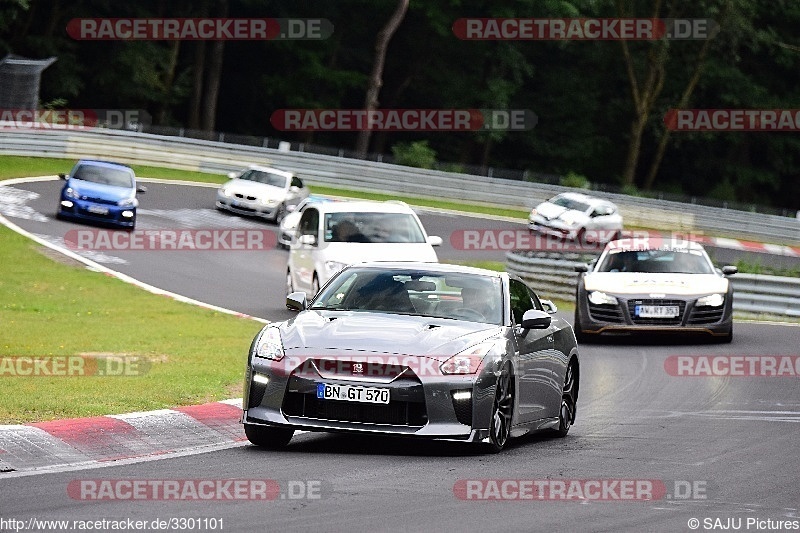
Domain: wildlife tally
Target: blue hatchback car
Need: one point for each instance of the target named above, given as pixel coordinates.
(100, 191)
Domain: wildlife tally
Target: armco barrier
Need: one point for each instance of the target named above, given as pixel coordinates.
(553, 277)
(317, 169)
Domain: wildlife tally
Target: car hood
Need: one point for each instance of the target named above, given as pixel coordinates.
(100, 190)
(553, 211)
(382, 333)
(663, 283)
(253, 188)
(357, 252)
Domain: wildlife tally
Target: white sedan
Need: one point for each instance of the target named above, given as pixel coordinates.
(578, 217)
(262, 192)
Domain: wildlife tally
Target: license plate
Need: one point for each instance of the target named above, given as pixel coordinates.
(657, 311)
(352, 393)
(98, 210)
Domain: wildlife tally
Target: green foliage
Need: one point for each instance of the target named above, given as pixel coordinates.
(578, 181)
(416, 154)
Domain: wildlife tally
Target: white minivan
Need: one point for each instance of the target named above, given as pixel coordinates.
(332, 235)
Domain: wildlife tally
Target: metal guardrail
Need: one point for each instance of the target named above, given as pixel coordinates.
(554, 277)
(371, 176)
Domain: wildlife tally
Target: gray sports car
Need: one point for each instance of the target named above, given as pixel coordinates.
(416, 349)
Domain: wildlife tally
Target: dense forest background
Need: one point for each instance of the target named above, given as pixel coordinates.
(600, 104)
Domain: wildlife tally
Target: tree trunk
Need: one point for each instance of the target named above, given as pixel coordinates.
(376, 78)
(197, 84)
(169, 82)
(208, 113)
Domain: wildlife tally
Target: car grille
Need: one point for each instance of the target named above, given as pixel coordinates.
(606, 313)
(242, 196)
(395, 413)
(104, 201)
(706, 315)
(671, 321)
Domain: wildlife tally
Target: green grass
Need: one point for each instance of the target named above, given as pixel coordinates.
(52, 309)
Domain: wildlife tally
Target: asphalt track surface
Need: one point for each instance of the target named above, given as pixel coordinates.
(734, 439)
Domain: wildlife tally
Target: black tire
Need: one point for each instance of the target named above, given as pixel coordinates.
(268, 437)
(314, 285)
(502, 411)
(289, 283)
(569, 400)
(580, 336)
(727, 339)
(280, 214)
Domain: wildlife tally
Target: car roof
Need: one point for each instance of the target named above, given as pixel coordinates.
(364, 206)
(271, 170)
(654, 243)
(433, 267)
(101, 163)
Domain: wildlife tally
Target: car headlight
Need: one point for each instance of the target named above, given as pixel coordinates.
(568, 220)
(225, 192)
(128, 202)
(601, 298)
(712, 300)
(334, 266)
(270, 202)
(469, 360)
(534, 212)
(72, 193)
(269, 345)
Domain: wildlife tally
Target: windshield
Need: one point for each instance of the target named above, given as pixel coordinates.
(267, 178)
(679, 261)
(104, 175)
(458, 296)
(372, 228)
(569, 203)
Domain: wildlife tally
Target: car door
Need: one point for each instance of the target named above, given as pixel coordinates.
(534, 347)
(301, 251)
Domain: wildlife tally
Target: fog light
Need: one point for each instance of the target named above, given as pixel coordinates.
(260, 378)
(66, 203)
(127, 214)
(462, 395)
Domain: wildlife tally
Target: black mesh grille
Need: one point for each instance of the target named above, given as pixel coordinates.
(463, 409)
(606, 313)
(396, 413)
(665, 321)
(706, 315)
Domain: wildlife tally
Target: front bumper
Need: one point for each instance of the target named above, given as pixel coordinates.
(621, 319)
(421, 406)
(246, 207)
(552, 227)
(112, 214)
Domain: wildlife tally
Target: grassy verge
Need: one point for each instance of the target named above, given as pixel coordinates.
(48, 309)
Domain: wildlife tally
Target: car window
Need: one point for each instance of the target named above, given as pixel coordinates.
(521, 299)
(369, 227)
(569, 203)
(457, 296)
(267, 178)
(309, 222)
(104, 175)
(680, 261)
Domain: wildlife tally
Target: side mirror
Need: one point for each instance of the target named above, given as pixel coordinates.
(535, 319)
(62, 175)
(549, 307)
(582, 268)
(141, 189)
(308, 239)
(294, 188)
(297, 301)
(435, 240)
(730, 270)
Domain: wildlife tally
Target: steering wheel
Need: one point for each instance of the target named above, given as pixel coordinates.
(468, 314)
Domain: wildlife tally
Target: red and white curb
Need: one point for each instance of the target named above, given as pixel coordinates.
(749, 246)
(98, 440)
